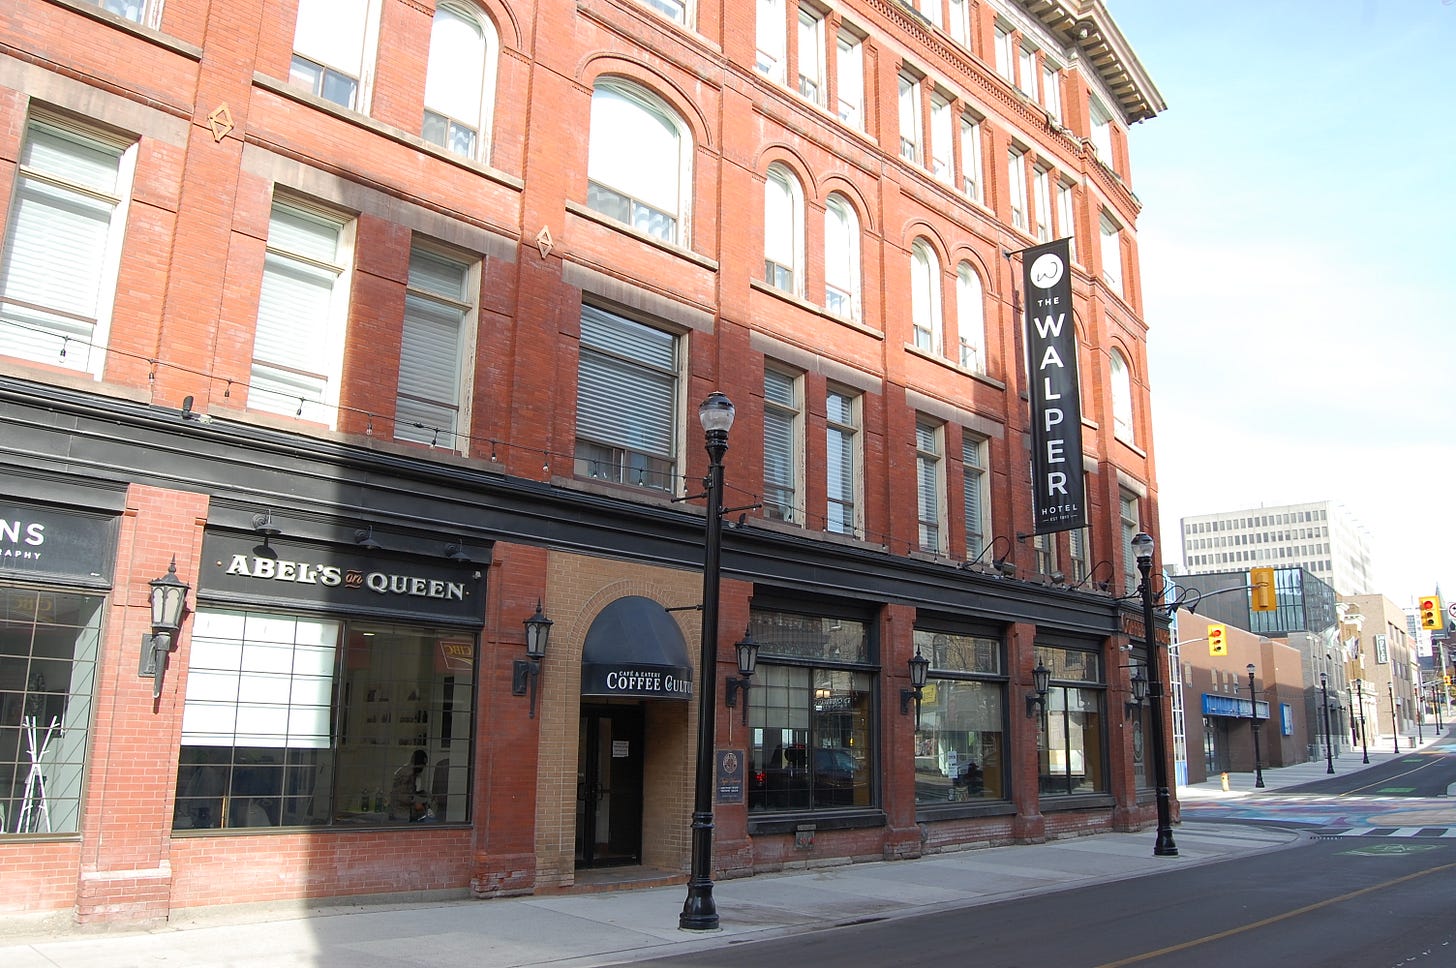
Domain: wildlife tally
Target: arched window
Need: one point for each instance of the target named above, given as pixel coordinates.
(639, 162)
(1121, 398)
(460, 80)
(783, 230)
(925, 297)
(841, 258)
(971, 318)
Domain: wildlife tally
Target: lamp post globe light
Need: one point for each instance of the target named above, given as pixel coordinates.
(1254, 713)
(1142, 548)
(699, 913)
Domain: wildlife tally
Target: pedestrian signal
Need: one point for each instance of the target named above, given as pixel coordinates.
(1261, 589)
(1430, 608)
(1217, 643)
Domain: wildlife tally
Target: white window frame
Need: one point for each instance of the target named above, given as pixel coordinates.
(958, 23)
(289, 376)
(925, 303)
(843, 438)
(783, 445)
(972, 170)
(655, 200)
(1111, 250)
(59, 268)
(842, 285)
(770, 30)
(975, 492)
(971, 318)
(1051, 89)
(811, 56)
(460, 80)
(1042, 201)
(678, 11)
(783, 230)
(1005, 50)
(1101, 135)
(849, 72)
(1130, 524)
(1016, 187)
(930, 484)
(1066, 216)
(1026, 71)
(322, 40)
(1121, 380)
(145, 12)
(435, 344)
(628, 401)
(912, 147)
(942, 139)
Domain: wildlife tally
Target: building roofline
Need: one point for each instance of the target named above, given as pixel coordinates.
(1088, 27)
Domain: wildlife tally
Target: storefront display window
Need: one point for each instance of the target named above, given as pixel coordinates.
(1071, 747)
(810, 713)
(960, 746)
(304, 721)
(48, 647)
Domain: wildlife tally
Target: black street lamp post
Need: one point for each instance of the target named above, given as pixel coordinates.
(1360, 698)
(1325, 692)
(699, 913)
(1436, 703)
(1142, 547)
(1254, 712)
(1394, 719)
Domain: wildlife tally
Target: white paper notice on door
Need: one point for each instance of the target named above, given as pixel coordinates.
(619, 749)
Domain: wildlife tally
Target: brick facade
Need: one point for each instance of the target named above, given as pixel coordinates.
(169, 443)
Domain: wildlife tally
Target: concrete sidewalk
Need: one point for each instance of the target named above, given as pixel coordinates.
(582, 930)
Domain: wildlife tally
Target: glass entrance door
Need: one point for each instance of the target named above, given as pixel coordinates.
(609, 786)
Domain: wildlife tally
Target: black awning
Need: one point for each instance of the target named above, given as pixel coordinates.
(635, 649)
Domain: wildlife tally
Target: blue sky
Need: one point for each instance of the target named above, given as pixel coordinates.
(1297, 245)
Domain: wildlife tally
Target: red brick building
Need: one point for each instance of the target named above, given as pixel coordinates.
(385, 324)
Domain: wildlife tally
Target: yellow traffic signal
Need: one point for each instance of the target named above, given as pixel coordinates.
(1430, 607)
(1261, 589)
(1217, 642)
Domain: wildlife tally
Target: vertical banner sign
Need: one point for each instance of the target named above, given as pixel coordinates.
(1056, 405)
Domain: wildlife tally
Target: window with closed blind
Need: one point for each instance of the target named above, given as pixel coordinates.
(929, 445)
(439, 304)
(973, 484)
(302, 308)
(782, 453)
(842, 461)
(63, 245)
(627, 402)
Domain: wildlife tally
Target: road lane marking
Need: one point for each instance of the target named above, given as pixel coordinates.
(1264, 923)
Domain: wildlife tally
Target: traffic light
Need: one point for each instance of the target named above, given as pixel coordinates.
(1261, 589)
(1430, 607)
(1217, 643)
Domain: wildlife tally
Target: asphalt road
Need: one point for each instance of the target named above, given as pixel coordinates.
(1354, 903)
(1431, 772)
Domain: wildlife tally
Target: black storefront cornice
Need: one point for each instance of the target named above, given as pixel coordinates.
(318, 483)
